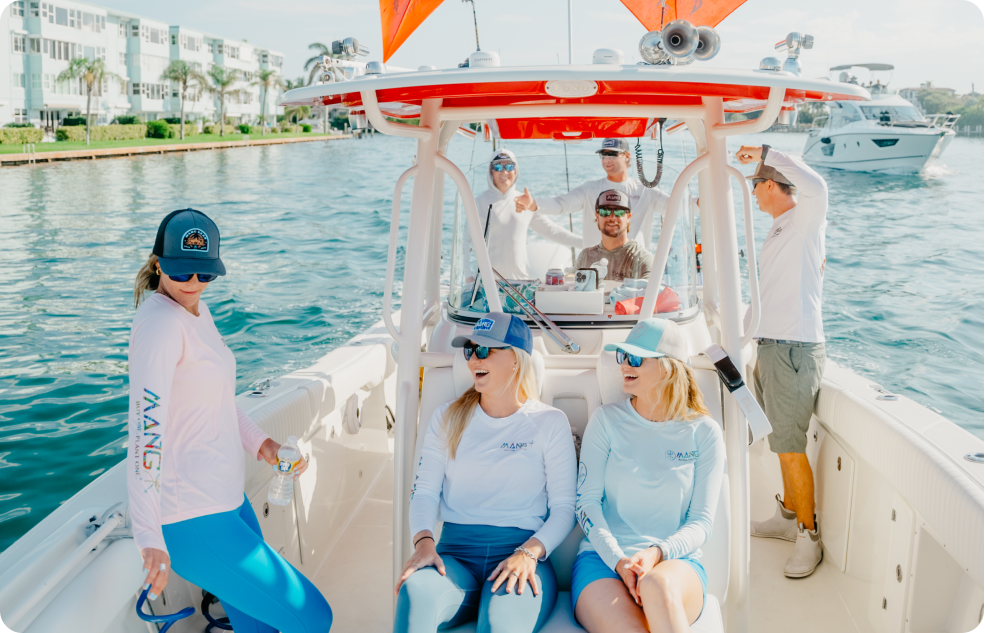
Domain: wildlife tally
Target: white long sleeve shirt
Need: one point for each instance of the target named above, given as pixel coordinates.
(508, 229)
(517, 471)
(643, 483)
(643, 202)
(791, 263)
(187, 436)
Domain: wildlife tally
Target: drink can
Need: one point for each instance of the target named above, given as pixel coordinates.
(555, 277)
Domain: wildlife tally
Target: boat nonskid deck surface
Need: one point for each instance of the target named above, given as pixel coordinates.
(339, 529)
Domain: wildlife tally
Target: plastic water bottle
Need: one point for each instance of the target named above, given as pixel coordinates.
(602, 266)
(282, 485)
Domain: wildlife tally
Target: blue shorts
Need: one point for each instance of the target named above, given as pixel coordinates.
(589, 567)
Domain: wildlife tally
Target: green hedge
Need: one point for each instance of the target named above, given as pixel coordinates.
(191, 129)
(20, 135)
(103, 133)
(213, 128)
(159, 129)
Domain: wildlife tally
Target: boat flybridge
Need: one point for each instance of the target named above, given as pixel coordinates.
(899, 488)
(887, 134)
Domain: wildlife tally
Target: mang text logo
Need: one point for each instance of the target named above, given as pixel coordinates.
(681, 456)
(512, 447)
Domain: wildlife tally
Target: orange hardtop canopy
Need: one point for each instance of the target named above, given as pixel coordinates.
(400, 18)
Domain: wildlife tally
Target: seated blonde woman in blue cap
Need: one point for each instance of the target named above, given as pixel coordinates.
(500, 465)
(648, 484)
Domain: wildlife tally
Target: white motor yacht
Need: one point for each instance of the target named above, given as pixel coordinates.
(899, 487)
(887, 134)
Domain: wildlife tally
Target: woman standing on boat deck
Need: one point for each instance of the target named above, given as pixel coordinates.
(187, 437)
(497, 462)
(648, 484)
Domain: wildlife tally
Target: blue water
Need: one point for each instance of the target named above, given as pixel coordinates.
(304, 241)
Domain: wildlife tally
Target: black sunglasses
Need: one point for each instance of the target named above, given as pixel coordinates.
(756, 181)
(634, 361)
(201, 277)
(604, 213)
(480, 351)
(608, 154)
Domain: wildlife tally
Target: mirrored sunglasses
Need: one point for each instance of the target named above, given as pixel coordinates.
(634, 361)
(604, 213)
(480, 351)
(201, 277)
(503, 166)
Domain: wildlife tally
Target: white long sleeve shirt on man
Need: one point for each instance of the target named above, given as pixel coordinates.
(791, 263)
(643, 202)
(187, 436)
(517, 471)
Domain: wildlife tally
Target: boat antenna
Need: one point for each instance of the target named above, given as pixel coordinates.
(476, 22)
(650, 184)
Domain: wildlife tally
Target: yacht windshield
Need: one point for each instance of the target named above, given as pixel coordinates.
(891, 113)
(525, 251)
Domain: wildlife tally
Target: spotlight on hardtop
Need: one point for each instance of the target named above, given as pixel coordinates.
(793, 44)
(349, 47)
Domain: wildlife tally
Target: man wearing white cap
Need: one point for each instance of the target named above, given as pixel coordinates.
(615, 161)
(790, 357)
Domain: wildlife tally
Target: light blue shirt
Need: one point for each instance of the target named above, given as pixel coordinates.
(643, 483)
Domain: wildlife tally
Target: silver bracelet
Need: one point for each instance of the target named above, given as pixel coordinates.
(523, 550)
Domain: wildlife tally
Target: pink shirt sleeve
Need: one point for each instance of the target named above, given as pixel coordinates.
(156, 346)
(250, 434)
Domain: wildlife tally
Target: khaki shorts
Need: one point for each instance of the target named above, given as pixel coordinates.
(788, 378)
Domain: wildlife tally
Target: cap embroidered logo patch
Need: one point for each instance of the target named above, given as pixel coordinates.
(613, 197)
(635, 333)
(194, 240)
(484, 325)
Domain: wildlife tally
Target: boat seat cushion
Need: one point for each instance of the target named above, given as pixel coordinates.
(563, 620)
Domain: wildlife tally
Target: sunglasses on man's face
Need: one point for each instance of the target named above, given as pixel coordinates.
(608, 154)
(604, 213)
(202, 277)
(481, 352)
(622, 357)
(756, 181)
(503, 166)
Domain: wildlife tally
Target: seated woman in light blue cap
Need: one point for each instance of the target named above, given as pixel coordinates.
(500, 465)
(648, 484)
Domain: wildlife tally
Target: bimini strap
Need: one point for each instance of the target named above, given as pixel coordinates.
(759, 424)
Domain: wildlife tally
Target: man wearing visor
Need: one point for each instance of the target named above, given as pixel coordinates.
(627, 258)
(615, 161)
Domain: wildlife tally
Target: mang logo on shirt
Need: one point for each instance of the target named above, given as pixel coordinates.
(681, 456)
(512, 447)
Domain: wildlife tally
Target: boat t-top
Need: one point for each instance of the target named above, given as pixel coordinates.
(899, 488)
(888, 134)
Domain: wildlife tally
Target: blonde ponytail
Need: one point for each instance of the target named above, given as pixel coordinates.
(146, 281)
(459, 413)
(679, 391)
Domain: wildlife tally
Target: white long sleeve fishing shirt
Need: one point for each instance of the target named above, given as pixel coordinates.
(517, 471)
(187, 436)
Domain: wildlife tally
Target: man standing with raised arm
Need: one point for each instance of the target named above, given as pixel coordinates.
(615, 161)
(790, 360)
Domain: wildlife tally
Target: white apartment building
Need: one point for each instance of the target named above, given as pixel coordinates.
(45, 36)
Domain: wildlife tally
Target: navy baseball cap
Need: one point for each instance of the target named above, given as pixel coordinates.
(616, 144)
(188, 242)
(612, 198)
(498, 329)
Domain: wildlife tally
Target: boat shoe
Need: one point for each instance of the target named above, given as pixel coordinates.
(806, 554)
(782, 525)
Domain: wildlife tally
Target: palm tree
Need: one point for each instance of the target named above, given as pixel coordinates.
(297, 113)
(266, 79)
(185, 75)
(92, 72)
(222, 80)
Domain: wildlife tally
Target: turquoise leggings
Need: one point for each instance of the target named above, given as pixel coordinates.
(225, 554)
(429, 601)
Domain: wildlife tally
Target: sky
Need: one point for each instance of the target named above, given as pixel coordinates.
(941, 41)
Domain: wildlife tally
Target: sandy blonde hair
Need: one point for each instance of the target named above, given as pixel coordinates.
(458, 415)
(679, 391)
(147, 280)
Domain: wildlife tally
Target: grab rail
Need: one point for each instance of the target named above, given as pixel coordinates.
(755, 302)
(391, 256)
(750, 126)
(475, 231)
(376, 117)
(51, 581)
(555, 334)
